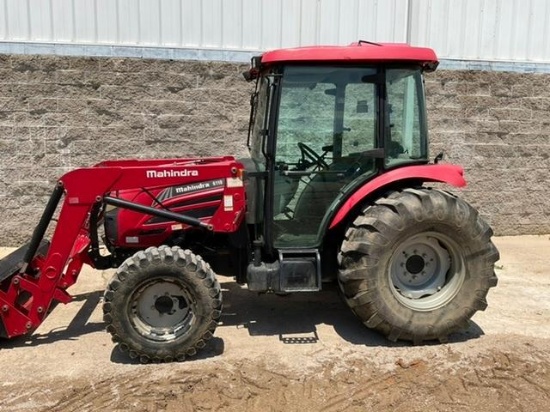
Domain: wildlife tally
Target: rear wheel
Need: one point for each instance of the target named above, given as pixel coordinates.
(162, 304)
(417, 265)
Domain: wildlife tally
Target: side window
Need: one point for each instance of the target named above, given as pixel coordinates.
(306, 115)
(405, 132)
(359, 119)
(326, 123)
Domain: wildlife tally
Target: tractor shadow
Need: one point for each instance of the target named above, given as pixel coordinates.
(214, 347)
(77, 327)
(294, 318)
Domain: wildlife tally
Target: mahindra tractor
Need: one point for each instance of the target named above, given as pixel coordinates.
(336, 189)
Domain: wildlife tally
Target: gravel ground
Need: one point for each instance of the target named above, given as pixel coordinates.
(302, 352)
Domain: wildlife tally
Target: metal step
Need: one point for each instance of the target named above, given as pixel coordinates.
(300, 270)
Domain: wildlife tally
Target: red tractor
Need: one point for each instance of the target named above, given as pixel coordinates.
(335, 190)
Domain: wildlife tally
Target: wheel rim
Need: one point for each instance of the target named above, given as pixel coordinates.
(426, 271)
(162, 310)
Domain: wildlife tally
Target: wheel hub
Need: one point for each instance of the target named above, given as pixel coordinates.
(162, 309)
(165, 305)
(415, 264)
(419, 267)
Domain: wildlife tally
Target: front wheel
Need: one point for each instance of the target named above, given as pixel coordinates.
(417, 264)
(162, 304)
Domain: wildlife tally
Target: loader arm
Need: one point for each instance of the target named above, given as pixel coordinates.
(27, 293)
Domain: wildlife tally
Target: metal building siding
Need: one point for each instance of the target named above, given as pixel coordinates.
(457, 29)
(483, 29)
(232, 24)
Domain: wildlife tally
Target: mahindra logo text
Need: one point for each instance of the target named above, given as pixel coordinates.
(155, 174)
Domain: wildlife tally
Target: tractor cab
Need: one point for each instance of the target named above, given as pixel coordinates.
(322, 125)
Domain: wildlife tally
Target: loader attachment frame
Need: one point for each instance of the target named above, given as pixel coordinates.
(30, 286)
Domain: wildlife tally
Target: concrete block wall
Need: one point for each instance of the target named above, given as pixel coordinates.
(497, 125)
(59, 113)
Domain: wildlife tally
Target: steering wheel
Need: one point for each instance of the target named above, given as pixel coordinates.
(308, 152)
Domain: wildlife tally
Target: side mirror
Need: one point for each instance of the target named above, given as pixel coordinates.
(253, 73)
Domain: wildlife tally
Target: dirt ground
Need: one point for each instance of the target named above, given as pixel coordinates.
(303, 352)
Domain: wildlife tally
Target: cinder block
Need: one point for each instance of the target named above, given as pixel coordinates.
(58, 113)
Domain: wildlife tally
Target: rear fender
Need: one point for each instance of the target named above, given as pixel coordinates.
(447, 173)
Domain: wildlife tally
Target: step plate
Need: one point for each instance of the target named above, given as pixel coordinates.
(300, 271)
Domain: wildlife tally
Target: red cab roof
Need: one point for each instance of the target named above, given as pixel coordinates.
(360, 52)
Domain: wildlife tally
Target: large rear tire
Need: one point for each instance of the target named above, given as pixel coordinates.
(162, 304)
(417, 264)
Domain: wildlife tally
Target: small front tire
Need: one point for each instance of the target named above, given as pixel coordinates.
(162, 304)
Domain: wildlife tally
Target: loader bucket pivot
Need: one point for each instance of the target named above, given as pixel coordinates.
(12, 264)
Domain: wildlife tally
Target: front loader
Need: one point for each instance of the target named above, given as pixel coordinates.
(336, 189)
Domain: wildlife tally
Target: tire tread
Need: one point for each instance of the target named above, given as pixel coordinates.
(186, 261)
(378, 227)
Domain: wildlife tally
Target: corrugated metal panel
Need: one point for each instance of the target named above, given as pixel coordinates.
(483, 29)
(230, 24)
(457, 29)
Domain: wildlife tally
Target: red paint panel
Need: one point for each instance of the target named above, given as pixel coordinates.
(353, 53)
(451, 174)
(68, 247)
